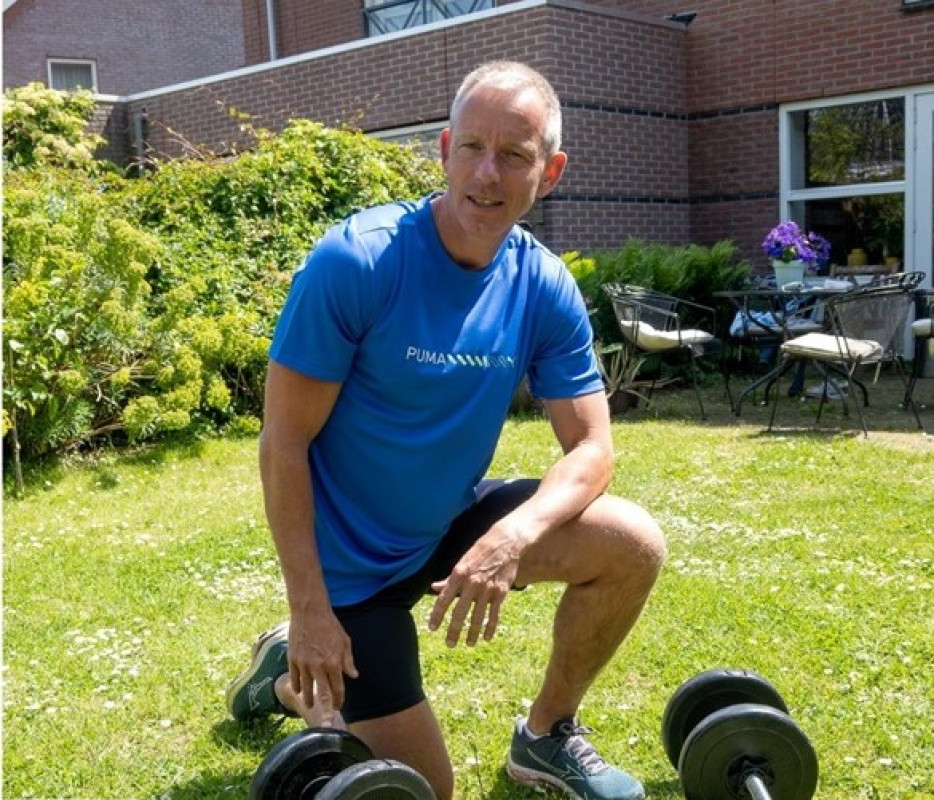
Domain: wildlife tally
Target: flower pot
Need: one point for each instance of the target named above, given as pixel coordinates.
(857, 258)
(788, 272)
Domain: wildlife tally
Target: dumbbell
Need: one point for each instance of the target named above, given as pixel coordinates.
(331, 764)
(729, 735)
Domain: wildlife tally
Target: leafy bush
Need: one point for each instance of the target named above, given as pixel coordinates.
(75, 302)
(42, 127)
(140, 307)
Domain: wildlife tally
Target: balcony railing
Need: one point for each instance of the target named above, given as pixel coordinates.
(388, 16)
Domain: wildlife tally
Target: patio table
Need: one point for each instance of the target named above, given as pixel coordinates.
(771, 315)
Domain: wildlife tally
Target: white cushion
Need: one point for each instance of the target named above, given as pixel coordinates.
(827, 347)
(654, 340)
(923, 328)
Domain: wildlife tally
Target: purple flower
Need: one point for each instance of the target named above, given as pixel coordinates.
(786, 242)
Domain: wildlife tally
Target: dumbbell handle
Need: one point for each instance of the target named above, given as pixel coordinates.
(756, 788)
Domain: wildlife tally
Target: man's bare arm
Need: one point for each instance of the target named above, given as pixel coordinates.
(296, 408)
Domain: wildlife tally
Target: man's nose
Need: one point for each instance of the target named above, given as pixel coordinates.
(488, 168)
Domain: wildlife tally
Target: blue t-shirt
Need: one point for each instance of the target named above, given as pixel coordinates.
(429, 354)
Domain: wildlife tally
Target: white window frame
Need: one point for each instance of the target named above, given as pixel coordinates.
(791, 151)
(429, 132)
(50, 62)
(790, 157)
(918, 163)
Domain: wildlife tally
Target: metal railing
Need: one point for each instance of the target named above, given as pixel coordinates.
(389, 16)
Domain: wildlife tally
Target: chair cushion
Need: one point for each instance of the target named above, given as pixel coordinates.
(649, 338)
(923, 328)
(827, 347)
(754, 324)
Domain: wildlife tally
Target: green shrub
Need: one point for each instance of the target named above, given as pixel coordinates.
(75, 301)
(42, 127)
(139, 307)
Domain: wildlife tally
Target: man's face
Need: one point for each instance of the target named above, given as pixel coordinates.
(495, 162)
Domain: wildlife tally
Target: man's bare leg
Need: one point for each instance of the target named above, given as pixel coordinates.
(610, 558)
(412, 736)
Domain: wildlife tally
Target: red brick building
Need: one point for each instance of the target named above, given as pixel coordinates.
(713, 125)
(117, 48)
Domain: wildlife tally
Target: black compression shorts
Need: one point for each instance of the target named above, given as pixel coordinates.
(382, 630)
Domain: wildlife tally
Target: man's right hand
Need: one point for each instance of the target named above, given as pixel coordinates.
(319, 656)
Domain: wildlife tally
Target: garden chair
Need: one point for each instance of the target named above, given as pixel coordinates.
(658, 324)
(862, 330)
(922, 329)
(764, 318)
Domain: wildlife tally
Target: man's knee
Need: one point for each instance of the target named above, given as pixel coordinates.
(635, 535)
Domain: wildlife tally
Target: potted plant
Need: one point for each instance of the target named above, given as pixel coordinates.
(793, 252)
(619, 366)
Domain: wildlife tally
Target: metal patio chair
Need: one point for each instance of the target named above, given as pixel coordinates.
(658, 324)
(862, 330)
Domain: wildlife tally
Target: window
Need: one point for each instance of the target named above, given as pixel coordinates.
(388, 16)
(423, 138)
(68, 75)
(843, 175)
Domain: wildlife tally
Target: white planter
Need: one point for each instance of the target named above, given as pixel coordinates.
(788, 272)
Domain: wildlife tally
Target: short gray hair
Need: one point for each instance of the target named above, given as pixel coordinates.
(517, 77)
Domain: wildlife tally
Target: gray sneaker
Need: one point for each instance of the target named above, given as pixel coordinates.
(252, 694)
(565, 760)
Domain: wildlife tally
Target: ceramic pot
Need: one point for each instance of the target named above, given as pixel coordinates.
(788, 272)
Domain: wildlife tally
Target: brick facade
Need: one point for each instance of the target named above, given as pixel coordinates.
(301, 26)
(135, 46)
(671, 130)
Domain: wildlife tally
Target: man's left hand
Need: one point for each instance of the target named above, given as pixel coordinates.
(479, 582)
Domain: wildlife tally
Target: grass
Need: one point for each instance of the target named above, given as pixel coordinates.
(134, 585)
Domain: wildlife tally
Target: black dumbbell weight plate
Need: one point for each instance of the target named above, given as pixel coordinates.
(707, 692)
(301, 765)
(732, 742)
(378, 780)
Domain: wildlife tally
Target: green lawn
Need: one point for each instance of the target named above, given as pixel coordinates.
(135, 584)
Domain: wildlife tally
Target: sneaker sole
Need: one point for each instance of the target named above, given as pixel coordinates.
(260, 648)
(539, 781)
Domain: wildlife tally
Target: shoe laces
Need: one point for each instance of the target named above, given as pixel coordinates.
(581, 749)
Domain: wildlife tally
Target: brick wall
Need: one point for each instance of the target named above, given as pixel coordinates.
(626, 131)
(136, 46)
(671, 132)
(301, 26)
(748, 52)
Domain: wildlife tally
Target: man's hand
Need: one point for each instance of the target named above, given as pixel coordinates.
(319, 657)
(480, 582)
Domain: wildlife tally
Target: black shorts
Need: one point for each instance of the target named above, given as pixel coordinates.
(382, 630)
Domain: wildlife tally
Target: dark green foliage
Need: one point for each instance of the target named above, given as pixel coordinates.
(137, 307)
(691, 271)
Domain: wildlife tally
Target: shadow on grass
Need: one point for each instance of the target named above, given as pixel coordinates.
(258, 738)
(885, 415)
(43, 473)
(210, 786)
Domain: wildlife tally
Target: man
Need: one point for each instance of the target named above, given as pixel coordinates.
(402, 342)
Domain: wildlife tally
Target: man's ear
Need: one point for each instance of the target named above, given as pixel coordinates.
(445, 141)
(554, 169)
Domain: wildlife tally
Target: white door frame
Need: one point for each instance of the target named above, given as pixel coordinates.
(919, 186)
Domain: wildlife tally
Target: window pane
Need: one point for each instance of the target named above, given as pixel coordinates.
(874, 224)
(856, 143)
(68, 77)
